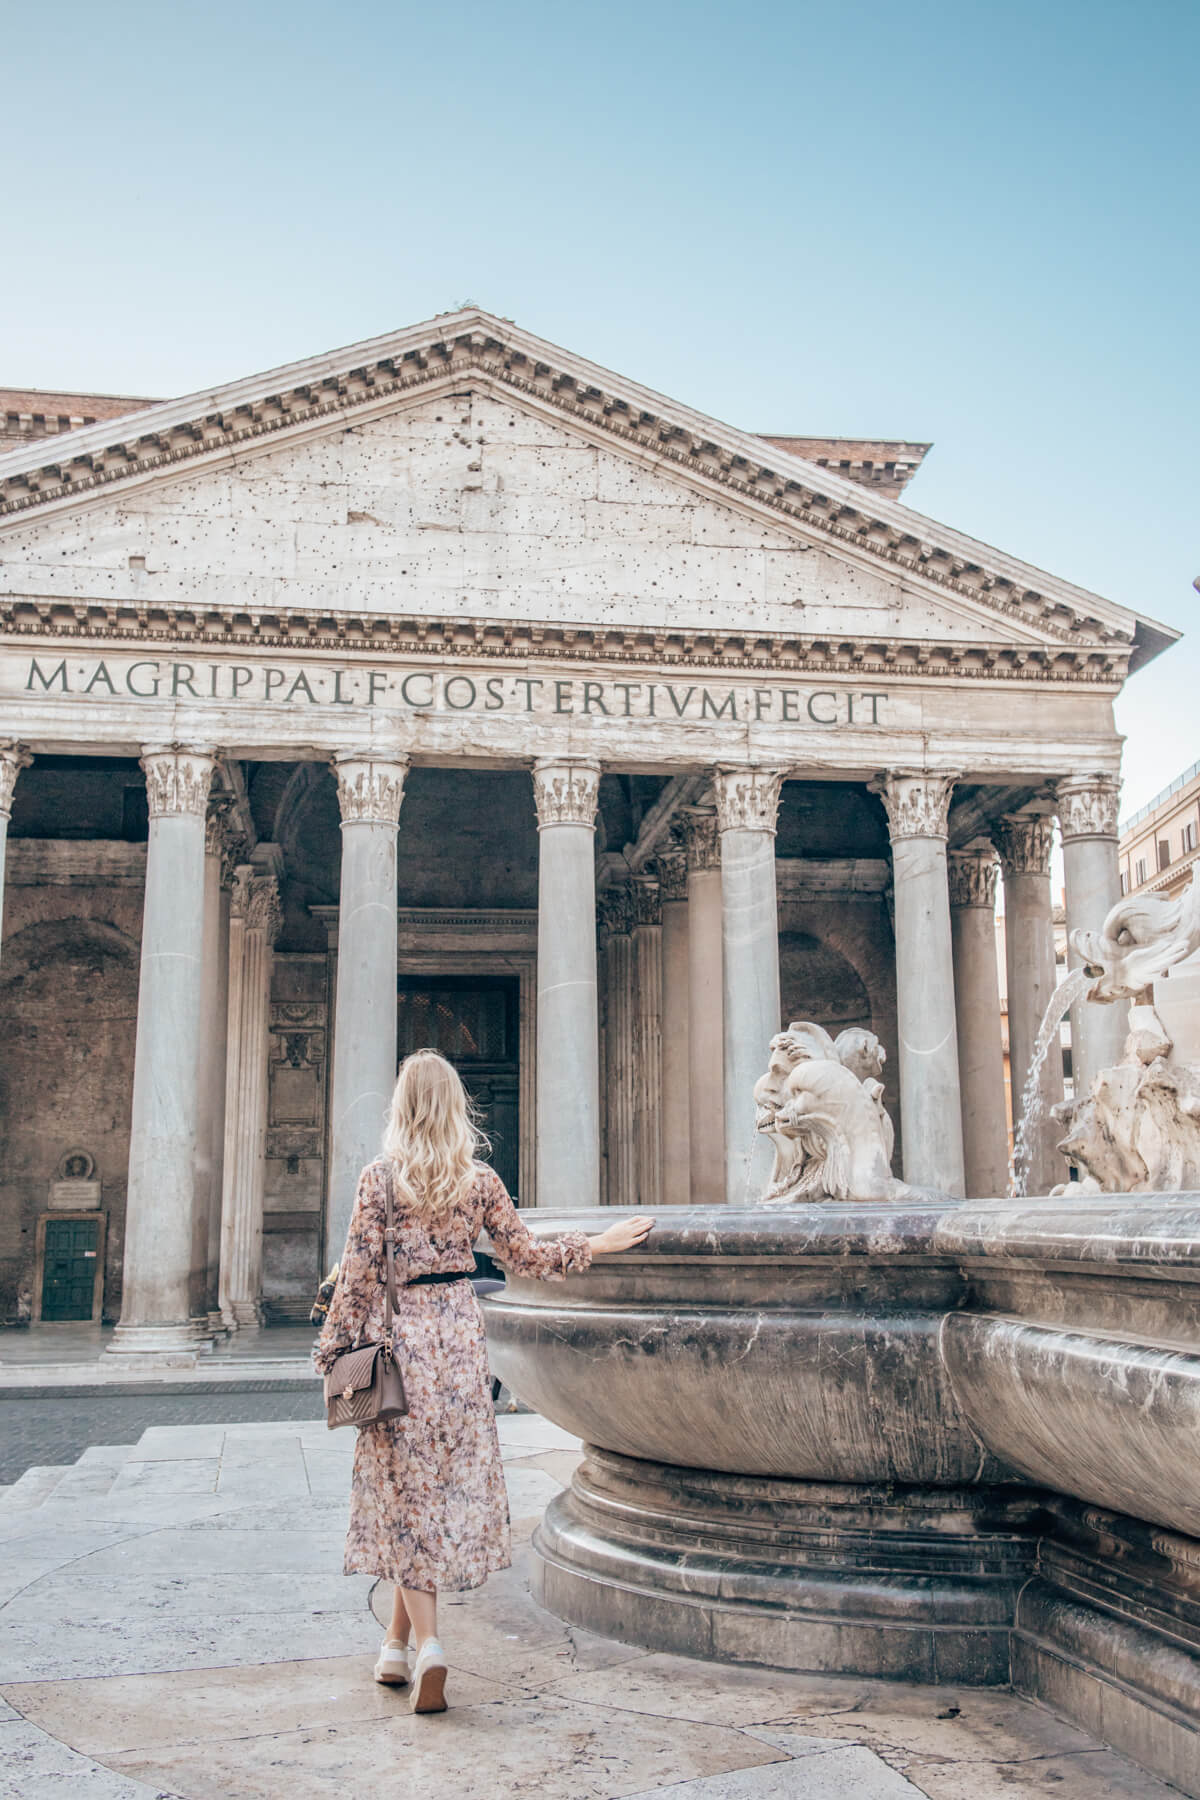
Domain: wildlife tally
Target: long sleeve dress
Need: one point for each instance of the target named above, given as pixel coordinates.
(428, 1505)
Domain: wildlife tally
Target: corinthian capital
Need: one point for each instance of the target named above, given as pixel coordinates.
(614, 908)
(917, 805)
(565, 791)
(256, 901)
(13, 758)
(647, 900)
(671, 867)
(747, 799)
(370, 786)
(973, 878)
(701, 840)
(177, 781)
(1024, 844)
(1087, 805)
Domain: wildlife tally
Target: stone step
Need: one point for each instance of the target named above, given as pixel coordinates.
(33, 1487)
(93, 1473)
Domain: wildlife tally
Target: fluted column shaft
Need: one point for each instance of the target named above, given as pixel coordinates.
(706, 1010)
(674, 1110)
(616, 915)
(254, 924)
(1088, 815)
(1025, 845)
(155, 1297)
(370, 789)
(747, 805)
(647, 1040)
(918, 807)
(568, 1059)
(13, 758)
(978, 1020)
(214, 1028)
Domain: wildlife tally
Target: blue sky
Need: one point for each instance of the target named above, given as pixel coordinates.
(969, 223)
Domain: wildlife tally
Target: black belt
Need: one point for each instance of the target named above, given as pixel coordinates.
(439, 1277)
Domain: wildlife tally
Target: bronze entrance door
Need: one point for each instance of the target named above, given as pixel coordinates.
(71, 1252)
(472, 1020)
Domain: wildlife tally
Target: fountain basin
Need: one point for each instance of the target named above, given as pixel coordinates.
(850, 1439)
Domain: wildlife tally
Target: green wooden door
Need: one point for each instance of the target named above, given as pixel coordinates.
(69, 1270)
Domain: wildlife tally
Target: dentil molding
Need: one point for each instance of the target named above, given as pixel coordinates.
(917, 805)
(566, 791)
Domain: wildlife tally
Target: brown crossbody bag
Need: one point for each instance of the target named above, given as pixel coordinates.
(365, 1385)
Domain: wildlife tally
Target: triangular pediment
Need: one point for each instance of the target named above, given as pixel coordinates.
(465, 467)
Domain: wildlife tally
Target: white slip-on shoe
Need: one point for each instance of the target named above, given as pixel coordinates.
(429, 1678)
(392, 1669)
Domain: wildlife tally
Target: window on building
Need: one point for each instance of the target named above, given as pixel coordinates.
(1139, 872)
(1188, 837)
(1124, 881)
(1164, 853)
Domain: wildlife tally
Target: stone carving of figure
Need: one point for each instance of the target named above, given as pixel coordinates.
(1138, 1131)
(821, 1104)
(1139, 940)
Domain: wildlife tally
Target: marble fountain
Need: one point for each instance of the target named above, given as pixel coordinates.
(862, 1429)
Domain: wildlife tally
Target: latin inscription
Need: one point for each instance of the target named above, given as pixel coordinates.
(424, 690)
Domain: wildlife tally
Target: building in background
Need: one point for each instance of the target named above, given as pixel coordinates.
(1161, 841)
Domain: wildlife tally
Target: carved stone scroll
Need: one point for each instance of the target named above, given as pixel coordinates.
(565, 791)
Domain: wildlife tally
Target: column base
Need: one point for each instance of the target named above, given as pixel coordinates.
(242, 1315)
(914, 1584)
(182, 1341)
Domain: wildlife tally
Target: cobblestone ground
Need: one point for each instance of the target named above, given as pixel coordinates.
(59, 1430)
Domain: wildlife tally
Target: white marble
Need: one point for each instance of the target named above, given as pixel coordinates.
(977, 1016)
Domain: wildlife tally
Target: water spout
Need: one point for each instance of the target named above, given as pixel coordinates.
(1033, 1101)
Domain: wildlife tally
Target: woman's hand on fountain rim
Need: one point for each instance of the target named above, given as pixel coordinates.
(625, 1234)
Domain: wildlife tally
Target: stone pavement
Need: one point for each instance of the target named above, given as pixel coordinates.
(174, 1622)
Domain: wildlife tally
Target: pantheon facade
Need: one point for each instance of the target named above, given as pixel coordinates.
(452, 690)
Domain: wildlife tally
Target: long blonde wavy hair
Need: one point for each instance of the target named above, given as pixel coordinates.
(431, 1137)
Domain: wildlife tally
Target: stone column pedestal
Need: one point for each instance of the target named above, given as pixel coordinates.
(706, 1010)
(159, 1224)
(370, 789)
(1025, 845)
(917, 807)
(616, 924)
(1087, 813)
(254, 924)
(747, 805)
(973, 875)
(674, 1109)
(13, 758)
(568, 1059)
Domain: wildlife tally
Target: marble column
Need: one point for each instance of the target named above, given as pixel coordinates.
(973, 875)
(255, 917)
(155, 1297)
(219, 862)
(671, 866)
(13, 758)
(647, 1040)
(565, 792)
(747, 805)
(1025, 844)
(370, 789)
(1087, 813)
(706, 1009)
(616, 924)
(917, 806)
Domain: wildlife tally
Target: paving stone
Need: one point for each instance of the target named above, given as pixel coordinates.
(195, 1476)
(839, 1774)
(36, 1766)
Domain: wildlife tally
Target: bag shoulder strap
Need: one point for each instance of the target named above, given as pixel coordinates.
(389, 1239)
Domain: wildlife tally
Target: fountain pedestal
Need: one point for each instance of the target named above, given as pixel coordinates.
(953, 1442)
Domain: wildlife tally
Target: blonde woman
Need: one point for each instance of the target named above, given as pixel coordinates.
(428, 1506)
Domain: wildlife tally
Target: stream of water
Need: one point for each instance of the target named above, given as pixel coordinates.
(1033, 1101)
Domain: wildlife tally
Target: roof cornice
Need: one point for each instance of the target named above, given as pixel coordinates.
(833, 508)
(218, 629)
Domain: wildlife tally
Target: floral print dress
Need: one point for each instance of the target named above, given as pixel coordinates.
(428, 1505)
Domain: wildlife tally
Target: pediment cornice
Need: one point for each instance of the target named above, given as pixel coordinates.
(303, 397)
(221, 629)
